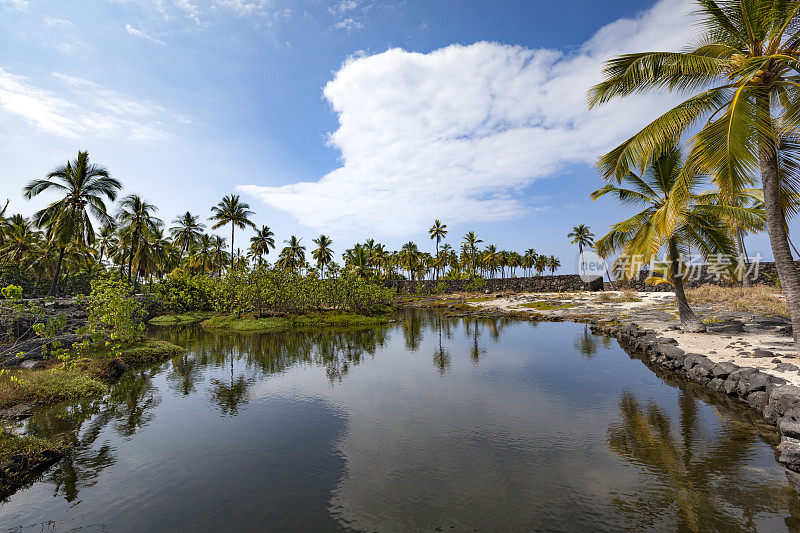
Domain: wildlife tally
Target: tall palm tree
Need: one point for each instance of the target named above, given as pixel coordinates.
(438, 232)
(553, 263)
(261, 242)
(20, 242)
(472, 241)
(410, 258)
(186, 231)
(746, 76)
(540, 264)
(136, 220)
(231, 211)
(665, 223)
(84, 187)
(293, 255)
(582, 236)
(322, 254)
(104, 239)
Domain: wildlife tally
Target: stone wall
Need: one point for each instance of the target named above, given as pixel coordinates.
(562, 283)
(764, 274)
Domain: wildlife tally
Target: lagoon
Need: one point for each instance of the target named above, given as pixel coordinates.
(429, 423)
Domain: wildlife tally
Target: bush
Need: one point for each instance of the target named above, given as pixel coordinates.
(477, 284)
(181, 292)
(261, 290)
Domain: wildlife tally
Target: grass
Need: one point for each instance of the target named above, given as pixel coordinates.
(82, 376)
(481, 299)
(26, 445)
(545, 306)
(144, 352)
(181, 319)
(47, 386)
(321, 320)
(761, 299)
(626, 295)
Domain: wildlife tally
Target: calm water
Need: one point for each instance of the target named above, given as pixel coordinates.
(432, 423)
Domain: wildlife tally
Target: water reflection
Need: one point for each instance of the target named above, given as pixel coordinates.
(706, 476)
(431, 421)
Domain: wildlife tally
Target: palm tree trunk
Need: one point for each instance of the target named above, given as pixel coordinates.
(232, 228)
(54, 286)
(689, 321)
(743, 253)
(779, 239)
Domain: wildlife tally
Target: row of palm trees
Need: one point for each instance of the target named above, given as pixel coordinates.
(77, 233)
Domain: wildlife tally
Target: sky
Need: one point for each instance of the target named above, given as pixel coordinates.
(354, 118)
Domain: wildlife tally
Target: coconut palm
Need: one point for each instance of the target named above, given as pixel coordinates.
(186, 231)
(322, 254)
(582, 236)
(409, 258)
(84, 187)
(231, 211)
(293, 255)
(438, 232)
(745, 74)
(472, 241)
(261, 242)
(663, 222)
(136, 220)
(104, 239)
(540, 264)
(553, 263)
(20, 242)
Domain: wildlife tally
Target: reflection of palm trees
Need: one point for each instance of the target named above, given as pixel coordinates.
(228, 397)
(441, 357)
(688, 470)
(185, 374)
(586, 343)
(475, 352)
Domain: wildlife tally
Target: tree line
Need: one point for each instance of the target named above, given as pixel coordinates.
(79, 233)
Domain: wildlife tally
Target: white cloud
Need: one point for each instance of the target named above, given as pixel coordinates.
(142, 35)
(348, 25)
(20, 5)
(342, 7)
(459, 132)
(55, 21)
(81, 108)
(189, 9)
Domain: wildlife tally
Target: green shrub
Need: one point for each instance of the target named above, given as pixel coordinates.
(181, 291)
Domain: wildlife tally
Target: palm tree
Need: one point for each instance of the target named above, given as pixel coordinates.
(665, 223)
(186, 231)
(293, 254)
(438, 231)
(219, 257)
(582, 236)
(540, 264)
(553, 263)
(322, 254)
(409, 256)
(83, 187)
(261, 242)
(746, 69)
(472, 241)
(136, 219)
(231, 211)
(104, 239)
(21, 239)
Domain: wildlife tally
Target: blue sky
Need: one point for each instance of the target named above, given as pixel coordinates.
(355, 118)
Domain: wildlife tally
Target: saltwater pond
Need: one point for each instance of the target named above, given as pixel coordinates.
(428, 424)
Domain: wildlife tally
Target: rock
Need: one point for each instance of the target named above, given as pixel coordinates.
(760, 352)
(786, 367)
(776, 360)
(717, 384)
(789, 449)
(752, 381)
(31, 364)
(784, 398)
(758, 400)
(789, 423)
(670, 351)
(730, 326)
(692, 360)
(784, 330)
(723, 370)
